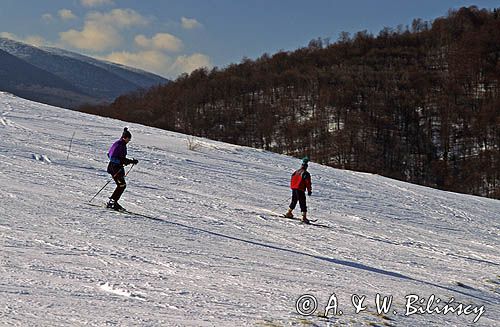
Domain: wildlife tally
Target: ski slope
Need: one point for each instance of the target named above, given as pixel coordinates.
(212, 253)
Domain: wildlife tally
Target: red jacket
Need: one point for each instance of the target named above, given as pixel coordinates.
(301, 180)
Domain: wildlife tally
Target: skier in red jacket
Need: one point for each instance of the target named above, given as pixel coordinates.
(299, 182)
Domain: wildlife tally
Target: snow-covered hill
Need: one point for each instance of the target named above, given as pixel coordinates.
(211, 252)
(90, 80)
(137, 76)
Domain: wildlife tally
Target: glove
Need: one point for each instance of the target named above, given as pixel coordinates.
(309, 193)
(131, 161)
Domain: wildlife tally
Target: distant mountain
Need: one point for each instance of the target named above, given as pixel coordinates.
(21, 78)
(87, 79)
(137, 76)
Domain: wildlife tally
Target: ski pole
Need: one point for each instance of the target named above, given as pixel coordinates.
(70, 144)
(282, 203)
(110, 182)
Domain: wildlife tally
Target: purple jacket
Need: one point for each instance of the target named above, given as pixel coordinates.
(118, 152)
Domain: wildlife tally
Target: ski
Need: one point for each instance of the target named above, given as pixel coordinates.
(123, 211)
(141, 215)
(103, 206)
(298, 219)
(312, 222)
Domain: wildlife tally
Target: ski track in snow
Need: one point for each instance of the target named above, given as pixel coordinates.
(208, 250)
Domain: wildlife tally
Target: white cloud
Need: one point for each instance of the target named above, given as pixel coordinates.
(32, 39)
(9, 35)
(66, 14)
(101, 31)
(189, 23)
(47, 18)
(161, 41)
(142, 41)
(158, 62)
(93, 37)
(186, 64)
(95, 3)
(118, 17)
(150, 60)
(35, 40)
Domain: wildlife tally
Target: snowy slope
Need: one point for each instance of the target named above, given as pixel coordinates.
(212, 253)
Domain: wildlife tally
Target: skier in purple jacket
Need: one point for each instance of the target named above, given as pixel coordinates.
(117, 155)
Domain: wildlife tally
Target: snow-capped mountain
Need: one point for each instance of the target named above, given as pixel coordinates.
(28, 81)
(137, 76)
(208, 248)
(96, 81)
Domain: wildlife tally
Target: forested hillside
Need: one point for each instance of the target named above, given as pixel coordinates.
(419, 103)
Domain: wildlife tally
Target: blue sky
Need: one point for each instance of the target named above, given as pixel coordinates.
(172, 37)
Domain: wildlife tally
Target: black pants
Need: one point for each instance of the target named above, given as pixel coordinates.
(118, 174)
(298, 195)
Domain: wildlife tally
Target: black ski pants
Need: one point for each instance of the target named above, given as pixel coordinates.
(300, 196)
(118, 174)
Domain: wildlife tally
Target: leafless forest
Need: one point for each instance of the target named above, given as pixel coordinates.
(418, 103)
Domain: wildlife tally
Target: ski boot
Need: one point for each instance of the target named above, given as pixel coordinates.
(112, 204)
(288, 214)
(304, 218)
